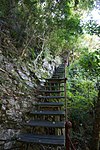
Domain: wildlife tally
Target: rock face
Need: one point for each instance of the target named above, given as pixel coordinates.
(18, 83)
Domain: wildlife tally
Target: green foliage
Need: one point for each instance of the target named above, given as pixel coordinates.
(81, 96)
(84, 4)
(92, 27)
(91, 63)
(32, 53)
(53, 25)
(81, 92)
(6, 7)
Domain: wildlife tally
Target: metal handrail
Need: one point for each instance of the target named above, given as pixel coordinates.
(68, 142)
(65, 91)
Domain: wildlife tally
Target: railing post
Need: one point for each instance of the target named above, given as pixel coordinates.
(65, 92)
(68, 125)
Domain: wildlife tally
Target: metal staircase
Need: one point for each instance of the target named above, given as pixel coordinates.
(46, 126)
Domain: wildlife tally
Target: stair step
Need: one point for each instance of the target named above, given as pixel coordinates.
(44, 112)
(51, 91)
(54, 86)
(42, 139)
(40, 123)
(56, 80)
(49, 104)
(57, 76)
(60, 68)
(51, 97)
(60, 71)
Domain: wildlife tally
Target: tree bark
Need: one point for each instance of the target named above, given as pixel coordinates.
(95, 145)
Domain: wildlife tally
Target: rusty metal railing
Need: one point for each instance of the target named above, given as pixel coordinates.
(68, 142)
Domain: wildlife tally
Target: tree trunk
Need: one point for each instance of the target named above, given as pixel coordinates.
(95, 145)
